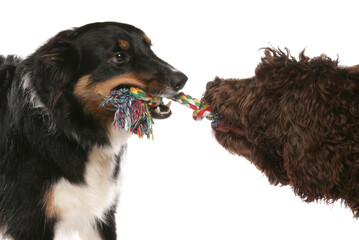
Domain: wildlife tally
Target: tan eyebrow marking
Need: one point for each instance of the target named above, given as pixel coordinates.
(123, 44)
(147, 39)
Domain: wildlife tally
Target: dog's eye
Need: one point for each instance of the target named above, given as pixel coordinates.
(119, 57)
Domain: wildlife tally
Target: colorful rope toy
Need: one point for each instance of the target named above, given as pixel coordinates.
(132, 113)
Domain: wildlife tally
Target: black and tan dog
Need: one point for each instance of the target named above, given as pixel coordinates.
(59, 154)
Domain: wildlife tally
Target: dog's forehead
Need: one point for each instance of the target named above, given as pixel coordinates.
(122, 33)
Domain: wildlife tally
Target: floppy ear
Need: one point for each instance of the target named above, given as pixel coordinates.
(55, 65)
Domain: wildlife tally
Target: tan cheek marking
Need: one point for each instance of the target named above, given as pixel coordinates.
(104, 88)
(92, 94)
(124, 44)
(147, 39)
(84, 90)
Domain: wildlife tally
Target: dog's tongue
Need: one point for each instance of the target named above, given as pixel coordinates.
(225, 127)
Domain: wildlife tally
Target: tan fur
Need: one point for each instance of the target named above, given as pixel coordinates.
(92, 94)
(147, 39)
(50, 209)
(123, 44)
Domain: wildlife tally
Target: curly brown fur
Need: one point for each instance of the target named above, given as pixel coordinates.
(299, 121)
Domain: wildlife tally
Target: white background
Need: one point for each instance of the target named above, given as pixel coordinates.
(183, 185)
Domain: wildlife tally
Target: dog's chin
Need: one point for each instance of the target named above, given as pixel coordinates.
(233, 139)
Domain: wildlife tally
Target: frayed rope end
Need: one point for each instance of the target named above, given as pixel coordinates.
(131, 114)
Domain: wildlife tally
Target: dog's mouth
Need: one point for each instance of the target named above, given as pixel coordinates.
(225, 127)
(160, 110)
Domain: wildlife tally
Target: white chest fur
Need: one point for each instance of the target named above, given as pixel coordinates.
(78, 207)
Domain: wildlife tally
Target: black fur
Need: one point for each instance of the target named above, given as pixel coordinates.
(39, 145)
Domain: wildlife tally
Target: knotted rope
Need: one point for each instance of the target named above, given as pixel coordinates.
(132, 114)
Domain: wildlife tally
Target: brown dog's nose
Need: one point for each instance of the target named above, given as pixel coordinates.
(177, 80)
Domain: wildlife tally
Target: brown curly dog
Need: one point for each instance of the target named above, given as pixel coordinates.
(297, 121)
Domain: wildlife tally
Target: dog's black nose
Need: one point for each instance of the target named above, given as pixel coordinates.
(177, 80)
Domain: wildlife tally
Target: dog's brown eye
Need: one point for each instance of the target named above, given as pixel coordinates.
(119, 57)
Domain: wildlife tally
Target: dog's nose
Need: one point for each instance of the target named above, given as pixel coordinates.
(177, 80)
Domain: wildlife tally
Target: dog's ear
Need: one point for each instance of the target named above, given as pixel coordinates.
(55, 67)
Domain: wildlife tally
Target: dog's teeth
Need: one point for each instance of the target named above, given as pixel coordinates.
(168, 104)
(158, 110)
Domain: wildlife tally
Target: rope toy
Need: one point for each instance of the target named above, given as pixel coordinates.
(131, 106)
(131, 114)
